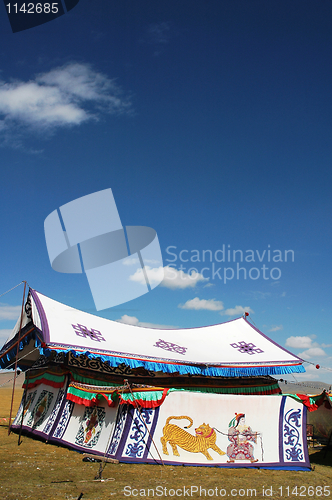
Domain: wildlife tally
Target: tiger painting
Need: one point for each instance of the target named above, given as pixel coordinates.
(204, 439)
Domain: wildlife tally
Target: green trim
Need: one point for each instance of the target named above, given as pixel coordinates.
(92, 381)
(88, 395)
(228, 390)
(156, 395)
(47, 376)
(144, 396)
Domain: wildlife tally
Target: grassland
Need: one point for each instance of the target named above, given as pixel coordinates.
(40, 471)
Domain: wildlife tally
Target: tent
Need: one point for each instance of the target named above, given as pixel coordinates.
(195, 396)
(319, 421)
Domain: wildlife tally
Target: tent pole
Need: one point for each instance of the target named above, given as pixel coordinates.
(15, 344)
(17, 351)
(23, 406)
(138, 407)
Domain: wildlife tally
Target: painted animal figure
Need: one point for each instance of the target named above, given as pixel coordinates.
(176, 436)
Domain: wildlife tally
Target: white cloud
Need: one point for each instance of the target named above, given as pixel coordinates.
(132, 320)
(178, 279)
(326, 345)
(299, 342)
(276, 328)
(4, 334)
(257, 295)
(209, 305)
(68, 95)
(168, 277)
(9, 312)
(237, 311)
(312, 353)
(154, 274)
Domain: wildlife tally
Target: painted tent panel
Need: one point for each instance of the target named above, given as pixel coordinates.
(187, 429)
(217, 430)
(40, 409)
(88, 429)
(50, 416)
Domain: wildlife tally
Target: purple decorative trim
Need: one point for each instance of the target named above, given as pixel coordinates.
(219, 465)
(304, 434)
(275, 343)
(42, 315)
(125, 431)
(151, 433)
(63, 402)
(136, 447)
(281, 429)
(120, 421)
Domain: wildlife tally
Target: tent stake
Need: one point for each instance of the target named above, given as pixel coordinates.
(17, 351)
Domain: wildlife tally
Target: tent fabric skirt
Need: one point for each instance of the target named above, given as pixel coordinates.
(197, 429)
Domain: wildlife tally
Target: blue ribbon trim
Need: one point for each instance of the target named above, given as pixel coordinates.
(11, 355)
(184, 369)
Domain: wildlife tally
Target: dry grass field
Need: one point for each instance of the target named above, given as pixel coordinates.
(39, 471)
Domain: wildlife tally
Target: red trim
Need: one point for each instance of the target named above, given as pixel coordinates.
(144, 404)
(45, 381)
(306, 401)
(88, 402)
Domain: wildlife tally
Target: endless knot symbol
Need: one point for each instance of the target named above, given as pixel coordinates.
(168, 346)
(248, 348)
(83, 331)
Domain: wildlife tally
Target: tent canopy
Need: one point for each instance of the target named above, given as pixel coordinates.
(231, 349)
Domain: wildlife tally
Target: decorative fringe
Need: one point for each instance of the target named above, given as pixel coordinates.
(207, 371)
(311, 402)
(146, 399)
(50, 379)
(249, 391)
(10, 356)
(86, 398)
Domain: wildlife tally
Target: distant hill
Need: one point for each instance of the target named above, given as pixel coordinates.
(6, 380)
(307, 387)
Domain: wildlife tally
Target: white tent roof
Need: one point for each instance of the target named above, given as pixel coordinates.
(236, 343)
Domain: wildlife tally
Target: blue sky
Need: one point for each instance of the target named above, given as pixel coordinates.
(211, 122)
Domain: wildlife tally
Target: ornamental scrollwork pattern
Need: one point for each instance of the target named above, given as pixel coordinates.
(55, 411)
(292, 425)
(65, 416)
(123, 410)
(139, 433)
